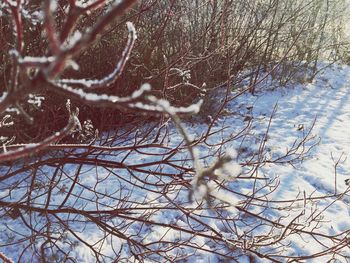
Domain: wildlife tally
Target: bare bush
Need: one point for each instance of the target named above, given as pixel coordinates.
(139, 191)
(214, 39)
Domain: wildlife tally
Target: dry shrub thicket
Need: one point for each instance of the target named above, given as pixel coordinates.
(69, 69)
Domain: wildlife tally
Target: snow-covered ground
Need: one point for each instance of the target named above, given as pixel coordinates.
(326, 167)
(305, 194)
(325, 101)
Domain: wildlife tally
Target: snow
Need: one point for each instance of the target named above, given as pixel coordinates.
(6, 121)
(28, 60)
(298, 185)
(35, 100)
(328, 100)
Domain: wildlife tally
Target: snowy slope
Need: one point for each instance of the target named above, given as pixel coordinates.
(327, 167)
(309, 192)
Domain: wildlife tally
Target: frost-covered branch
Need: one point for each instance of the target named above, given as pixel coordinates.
(31, 62)
(30, 149)
(138, 100)
(223, 168)
(111, 78)
(76, 10)
(87, 38)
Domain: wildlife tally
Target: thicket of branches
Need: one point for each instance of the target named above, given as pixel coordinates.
(70, 69)
(185, 48)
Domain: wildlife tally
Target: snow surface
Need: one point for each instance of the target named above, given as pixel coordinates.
(326, 99)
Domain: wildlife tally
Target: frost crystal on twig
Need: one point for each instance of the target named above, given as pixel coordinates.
(6, 121)
(225, 168)
(35, 100)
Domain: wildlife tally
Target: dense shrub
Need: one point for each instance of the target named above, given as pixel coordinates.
(136, 191)
(184, 44)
